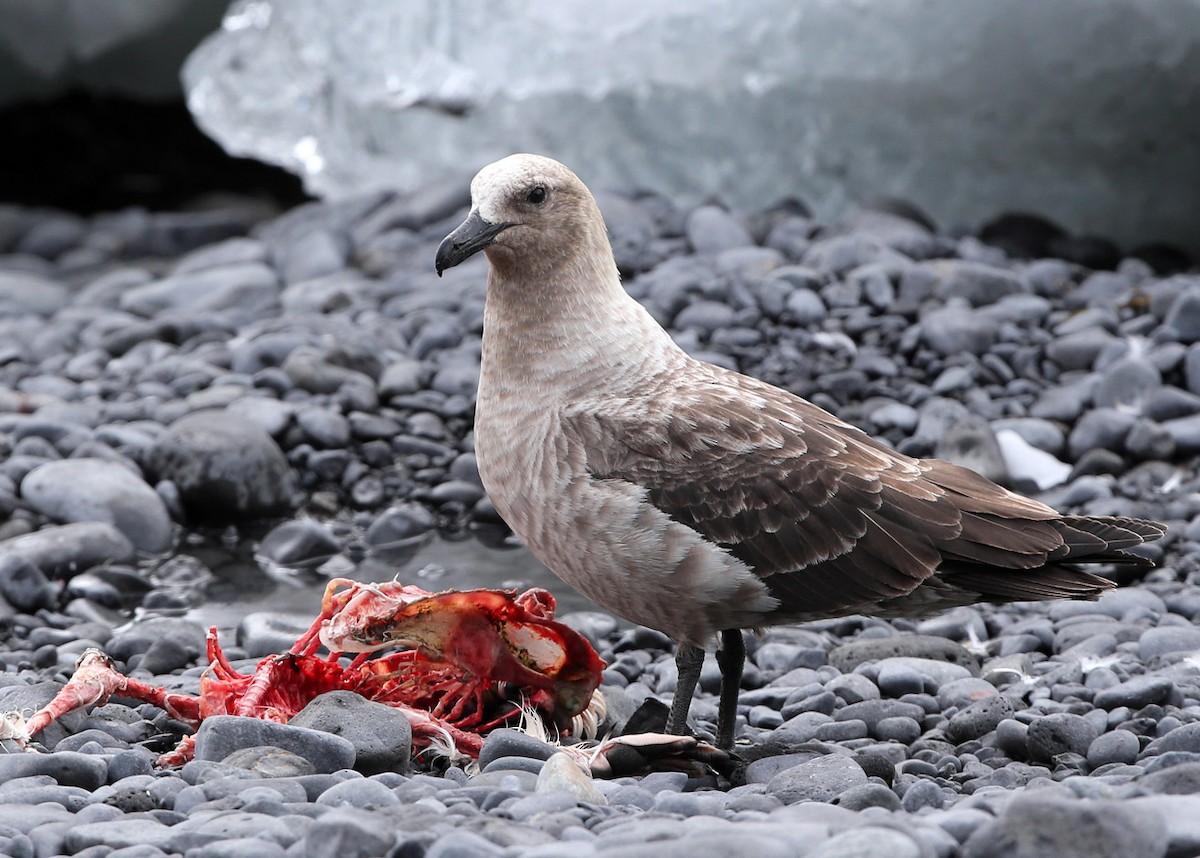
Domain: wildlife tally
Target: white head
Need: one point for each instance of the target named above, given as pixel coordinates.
(528, 208)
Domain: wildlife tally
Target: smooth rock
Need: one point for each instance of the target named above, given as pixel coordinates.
(66, 549)
(381, 735)
(821, 779)
(225, 467)
(73, 490)
(1058, 733)
(1037, 826)
(221, 735)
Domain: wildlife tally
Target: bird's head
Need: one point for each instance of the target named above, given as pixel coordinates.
(523, 207)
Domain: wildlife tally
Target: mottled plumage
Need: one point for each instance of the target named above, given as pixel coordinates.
(696, 500)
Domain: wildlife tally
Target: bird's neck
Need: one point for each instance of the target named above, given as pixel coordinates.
(574, 326)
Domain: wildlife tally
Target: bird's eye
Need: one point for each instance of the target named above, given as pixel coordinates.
(537, 195)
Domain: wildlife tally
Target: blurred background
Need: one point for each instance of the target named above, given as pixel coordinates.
(1084, 112)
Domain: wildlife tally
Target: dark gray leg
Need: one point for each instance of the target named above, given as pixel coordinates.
(688, 659)
(731, 658)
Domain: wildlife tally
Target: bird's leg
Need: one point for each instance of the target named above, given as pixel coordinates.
(731, 658)
(688, 659)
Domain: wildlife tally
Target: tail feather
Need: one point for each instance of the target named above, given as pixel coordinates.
(1006, 574)
(1085, 536)
(1028, 585)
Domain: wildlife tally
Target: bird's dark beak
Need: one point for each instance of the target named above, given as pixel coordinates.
(471, 236)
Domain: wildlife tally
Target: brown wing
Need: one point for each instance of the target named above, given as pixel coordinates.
(831, 518)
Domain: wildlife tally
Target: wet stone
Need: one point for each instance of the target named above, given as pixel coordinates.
(821, 779)
(23, 585)
(869, 840)
(221, 735)
(1155, 642)
(362, 793)
(1119, 746)
(869, 795)
(381, 735)
(1135, 693)
(82, 489)
(299, 544)
(223, 466)
(63, 550)
(1058, 827)
(1059, 733)
(979, 718)
(347, 831)
(263, 633)
(711, 230)
(848, 656)
(511, 743)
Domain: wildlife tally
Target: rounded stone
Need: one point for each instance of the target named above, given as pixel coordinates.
(381, 735)
(71, 490)
(821, 779)
(1059, 733)
(1119, 746)
(225, 467)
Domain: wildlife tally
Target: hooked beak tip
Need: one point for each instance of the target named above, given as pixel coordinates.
(470, 237)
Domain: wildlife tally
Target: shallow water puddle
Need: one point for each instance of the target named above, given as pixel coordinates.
(241, 586)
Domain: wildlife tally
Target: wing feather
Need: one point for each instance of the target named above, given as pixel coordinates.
(828, 517)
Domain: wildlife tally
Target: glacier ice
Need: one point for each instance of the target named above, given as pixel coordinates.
(1085, 112)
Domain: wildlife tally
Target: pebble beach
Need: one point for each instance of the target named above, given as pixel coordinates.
(301, 384)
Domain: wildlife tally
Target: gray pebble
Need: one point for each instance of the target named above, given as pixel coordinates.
(954, 330)
(848, 656)
(269, 761)
(1126, 384)
(1184, 315)
(821, 779)
(866, 842)
(1136, 692)
(1184, 738)
(239, 847)
(691, 803)
(402, 378)
(221, 735)
(347, 831)
(540, 803)
(1100, 428)
(323, 428)
(360, 792)
(711, 230)
(23, 585)
(224, 467)
(1163, 640)
(63, 550)
(1078, 350)
(1036, 825)
(979, 718)
(381, 735)
(868, 795)
(250, 289)
(1059, 733)
(512, 743)
(1119, 746)
(978, 283)
(81, 489)
(299, 544)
